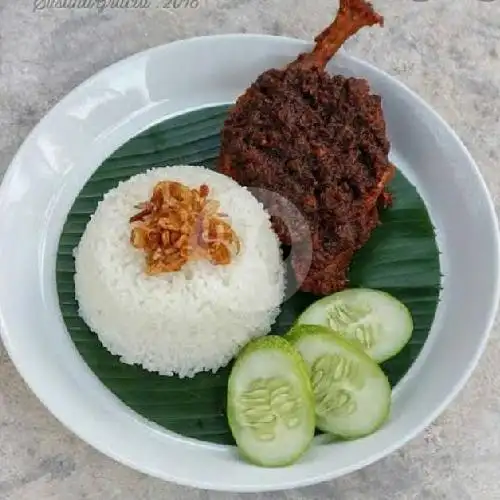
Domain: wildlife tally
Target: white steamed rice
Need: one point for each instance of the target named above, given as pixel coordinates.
(178, 323)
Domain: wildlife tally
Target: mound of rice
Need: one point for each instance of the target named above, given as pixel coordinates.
(189, 321)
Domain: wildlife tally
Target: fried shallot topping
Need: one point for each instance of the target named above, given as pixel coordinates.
(179, 224)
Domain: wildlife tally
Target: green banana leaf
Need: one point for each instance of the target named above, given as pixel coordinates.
(401, 258)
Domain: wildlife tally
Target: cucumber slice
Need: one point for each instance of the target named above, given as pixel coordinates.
(270, 403)
(378, 321)
(352, 393)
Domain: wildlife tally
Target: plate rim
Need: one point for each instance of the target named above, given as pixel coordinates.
(13, 354)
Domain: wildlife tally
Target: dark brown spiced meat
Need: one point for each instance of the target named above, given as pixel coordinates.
(319, 141)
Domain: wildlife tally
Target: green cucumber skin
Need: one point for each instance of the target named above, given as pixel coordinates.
(325, 301)
(283, 346)
(294, 459)
(354, 437)
(299, 332)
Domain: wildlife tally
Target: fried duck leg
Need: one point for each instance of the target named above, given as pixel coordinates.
(318, 141)
(351, 17)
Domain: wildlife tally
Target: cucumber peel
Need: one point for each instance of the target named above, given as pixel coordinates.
(270, 403)
(375, 319)
(352, 394)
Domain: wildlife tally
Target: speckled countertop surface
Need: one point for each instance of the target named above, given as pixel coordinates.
(446, 50)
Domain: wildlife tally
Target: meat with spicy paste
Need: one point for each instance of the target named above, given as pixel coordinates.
(319, 141)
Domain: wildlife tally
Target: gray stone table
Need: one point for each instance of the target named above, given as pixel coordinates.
(446, 50)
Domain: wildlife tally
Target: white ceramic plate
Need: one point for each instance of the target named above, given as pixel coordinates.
(89, 124)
